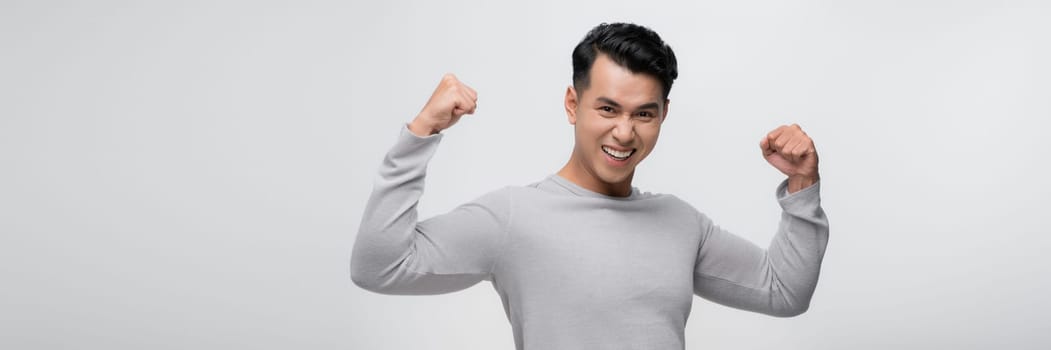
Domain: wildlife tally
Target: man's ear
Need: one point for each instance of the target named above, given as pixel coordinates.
(571, 104)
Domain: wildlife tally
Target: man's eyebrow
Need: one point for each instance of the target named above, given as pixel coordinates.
(609, 101)
(606, 100)
(651, 105)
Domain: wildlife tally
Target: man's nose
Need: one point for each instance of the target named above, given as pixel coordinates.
(624, 130)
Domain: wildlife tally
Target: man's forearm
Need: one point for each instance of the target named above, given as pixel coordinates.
(778, 280)
(388, 224)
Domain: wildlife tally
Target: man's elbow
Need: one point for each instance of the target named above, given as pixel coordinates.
(366, 279)
(791, 310)
(363, 280)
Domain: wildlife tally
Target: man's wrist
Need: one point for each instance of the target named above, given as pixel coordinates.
(798, 183)
(421, 129)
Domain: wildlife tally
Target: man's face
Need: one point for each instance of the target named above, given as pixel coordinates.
(617, 120)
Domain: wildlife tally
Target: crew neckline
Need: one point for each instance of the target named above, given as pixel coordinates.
(583, 192)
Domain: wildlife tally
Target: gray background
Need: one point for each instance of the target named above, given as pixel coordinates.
(191, 174)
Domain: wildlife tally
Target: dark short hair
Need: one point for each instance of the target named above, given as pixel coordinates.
(632, 46)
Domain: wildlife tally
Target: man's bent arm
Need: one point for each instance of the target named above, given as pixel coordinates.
(778, 281)
(395, 254)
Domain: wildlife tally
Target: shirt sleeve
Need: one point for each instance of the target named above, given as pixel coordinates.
(777, 281)
(395, 254)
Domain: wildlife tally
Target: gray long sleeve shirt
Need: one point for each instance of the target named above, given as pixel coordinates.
(577, 269)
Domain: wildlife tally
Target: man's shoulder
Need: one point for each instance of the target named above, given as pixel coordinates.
(676, 202)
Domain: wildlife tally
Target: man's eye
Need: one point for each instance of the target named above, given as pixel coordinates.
(606, 109)
(645, 114)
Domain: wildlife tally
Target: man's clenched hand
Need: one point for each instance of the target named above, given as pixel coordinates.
(792, 152)
(450, 101)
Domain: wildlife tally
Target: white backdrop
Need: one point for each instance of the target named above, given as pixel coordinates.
(191, 174)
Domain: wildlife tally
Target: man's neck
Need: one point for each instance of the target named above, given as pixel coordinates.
(579, 175)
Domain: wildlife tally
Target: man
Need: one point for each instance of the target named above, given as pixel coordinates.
(581, 259)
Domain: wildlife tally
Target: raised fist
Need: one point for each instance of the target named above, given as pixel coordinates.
(792, 152)
(450, 101)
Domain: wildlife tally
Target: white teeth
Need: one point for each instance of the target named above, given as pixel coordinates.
(617, 154)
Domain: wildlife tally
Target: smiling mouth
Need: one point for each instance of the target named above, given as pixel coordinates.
(618, 155)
